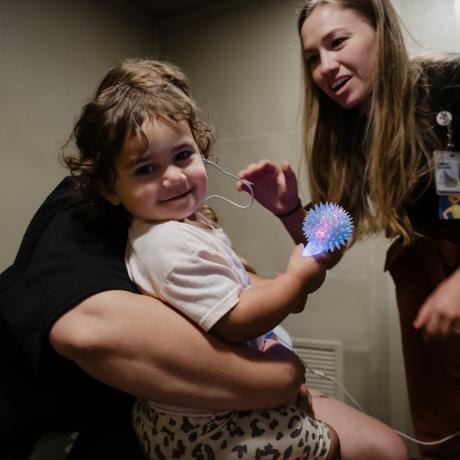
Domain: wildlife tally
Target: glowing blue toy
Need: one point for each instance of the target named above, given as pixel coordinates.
(326, 227)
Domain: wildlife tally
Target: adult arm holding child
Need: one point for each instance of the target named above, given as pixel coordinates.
(129, 341)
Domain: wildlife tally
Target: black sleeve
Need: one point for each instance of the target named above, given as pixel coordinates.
(63, 259)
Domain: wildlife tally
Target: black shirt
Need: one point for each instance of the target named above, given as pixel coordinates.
(63, 259)
(444, 91)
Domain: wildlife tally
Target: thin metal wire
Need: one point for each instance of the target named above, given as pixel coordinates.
(245, 182)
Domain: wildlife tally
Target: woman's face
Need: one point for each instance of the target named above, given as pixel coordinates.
(340, 48)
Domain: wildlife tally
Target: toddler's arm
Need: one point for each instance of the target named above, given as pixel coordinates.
(265, 305)
(258, 281)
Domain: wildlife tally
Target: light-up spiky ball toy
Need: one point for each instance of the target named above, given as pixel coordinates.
(326, 227)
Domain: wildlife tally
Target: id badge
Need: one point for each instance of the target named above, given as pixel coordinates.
(447, 172)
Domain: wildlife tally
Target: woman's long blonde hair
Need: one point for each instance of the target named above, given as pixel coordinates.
(371, 164)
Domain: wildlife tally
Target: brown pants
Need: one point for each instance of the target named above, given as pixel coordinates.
(432, 369)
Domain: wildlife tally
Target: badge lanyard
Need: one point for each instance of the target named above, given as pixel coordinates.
(447, 172)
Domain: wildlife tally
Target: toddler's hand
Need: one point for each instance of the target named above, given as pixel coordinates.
(330, 259)
(311, 271)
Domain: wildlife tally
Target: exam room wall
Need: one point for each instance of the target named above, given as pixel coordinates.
(53, 53)
(243, 60)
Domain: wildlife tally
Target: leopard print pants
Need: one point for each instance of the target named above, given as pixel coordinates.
(284, 433)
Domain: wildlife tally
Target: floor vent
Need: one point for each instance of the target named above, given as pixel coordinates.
(325, 357)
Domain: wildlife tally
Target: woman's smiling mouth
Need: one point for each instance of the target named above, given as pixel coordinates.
(339, 84)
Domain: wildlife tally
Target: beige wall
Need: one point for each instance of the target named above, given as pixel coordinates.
(53, 52)
(243, 63)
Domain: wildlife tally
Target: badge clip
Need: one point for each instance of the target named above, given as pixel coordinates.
(444, 118)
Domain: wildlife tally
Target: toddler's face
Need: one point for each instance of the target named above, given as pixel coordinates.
(165, 181)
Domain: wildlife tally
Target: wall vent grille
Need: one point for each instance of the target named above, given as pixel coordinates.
(325, 356)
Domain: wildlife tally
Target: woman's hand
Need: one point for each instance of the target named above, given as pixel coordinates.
(440, 314)
(274, 186)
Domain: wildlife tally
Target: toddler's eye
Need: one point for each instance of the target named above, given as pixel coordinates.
(311, 59)
(183, 155)
(338, 41)
(145, 170)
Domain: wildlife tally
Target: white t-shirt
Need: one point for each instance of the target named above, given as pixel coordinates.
(191, 266)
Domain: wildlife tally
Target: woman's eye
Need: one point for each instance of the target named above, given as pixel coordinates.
(145, 170)
(183, 155)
